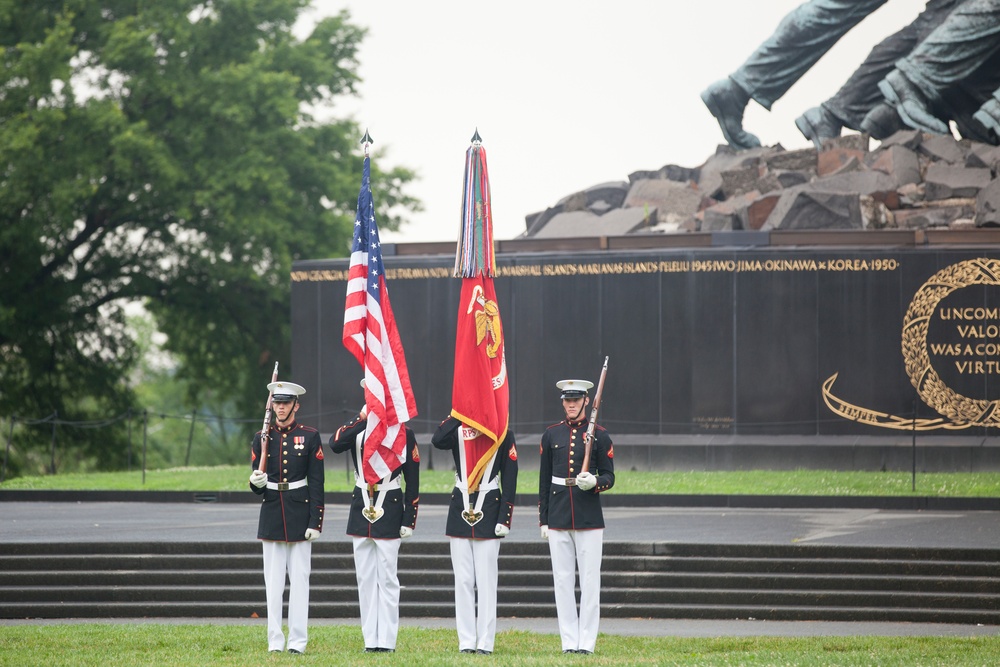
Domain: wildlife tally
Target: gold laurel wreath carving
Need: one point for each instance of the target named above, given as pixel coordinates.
(934, 392)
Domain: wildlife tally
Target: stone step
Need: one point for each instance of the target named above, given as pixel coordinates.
(640, 568)
(635, 598)
(658, 550)
(540, 578)
(651, 580)
(819, 565)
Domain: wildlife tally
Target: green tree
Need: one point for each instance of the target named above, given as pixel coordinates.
(167, 152)
(171, 439)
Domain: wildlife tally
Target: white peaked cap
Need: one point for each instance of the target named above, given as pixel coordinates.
(574, 388)
(285, 391)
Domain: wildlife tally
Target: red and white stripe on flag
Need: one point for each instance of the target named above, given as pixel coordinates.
(370, 335)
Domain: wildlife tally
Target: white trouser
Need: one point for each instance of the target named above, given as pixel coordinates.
(378, 590)
(295, 558)
(570, 549)
(475, 566)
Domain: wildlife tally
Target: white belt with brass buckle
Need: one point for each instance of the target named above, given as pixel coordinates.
(564, 481)
(488, 486)
(388, 486)
(287, 486)
(473, 515)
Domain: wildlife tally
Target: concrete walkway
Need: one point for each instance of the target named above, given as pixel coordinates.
(223, 522)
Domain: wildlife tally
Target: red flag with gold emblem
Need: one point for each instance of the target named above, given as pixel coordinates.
(480, 392)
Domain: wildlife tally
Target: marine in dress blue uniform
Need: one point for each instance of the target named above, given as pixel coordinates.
(570, 514)
(291, 514)
(380, 516)
(475, 547)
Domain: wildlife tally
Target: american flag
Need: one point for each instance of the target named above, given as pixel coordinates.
(370, 335)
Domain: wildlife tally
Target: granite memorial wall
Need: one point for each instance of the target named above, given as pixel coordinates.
(734, 342)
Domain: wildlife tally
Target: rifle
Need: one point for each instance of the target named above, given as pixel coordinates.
(588, 439)
(265, 430)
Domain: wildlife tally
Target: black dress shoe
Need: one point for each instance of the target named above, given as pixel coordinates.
(467, 650)
(727, 101)
(369, 649)
(584, 651)
(386, 650)
(482, 651)
(295, 651)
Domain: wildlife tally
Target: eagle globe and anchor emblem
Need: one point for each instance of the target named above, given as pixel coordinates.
(958, 410)
(488, 326)
(487, 321)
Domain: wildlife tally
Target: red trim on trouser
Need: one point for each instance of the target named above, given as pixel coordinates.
(284, 521)
(569, 489)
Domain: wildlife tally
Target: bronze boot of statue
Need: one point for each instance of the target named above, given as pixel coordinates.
(818, 124)
(911, 104)
(988, 116)
(882, 122)
(971, 128)
(726, 100)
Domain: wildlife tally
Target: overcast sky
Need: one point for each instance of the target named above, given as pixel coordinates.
(566, 94)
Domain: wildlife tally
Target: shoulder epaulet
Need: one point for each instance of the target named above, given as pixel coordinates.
(308, 428)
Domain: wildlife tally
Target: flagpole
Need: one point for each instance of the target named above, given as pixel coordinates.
(367, 141)
(368, 317)
(480, 391)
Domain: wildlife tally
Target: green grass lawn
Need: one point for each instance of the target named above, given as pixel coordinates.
(749, 482)
(127, 645)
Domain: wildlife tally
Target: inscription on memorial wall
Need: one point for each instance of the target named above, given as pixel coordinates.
(950, 339)
(950, 336)
(951, 350)
(965, 340)
(673, 266)
(626, 268)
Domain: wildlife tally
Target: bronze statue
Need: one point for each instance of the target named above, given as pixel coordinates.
(944, 66)
(859, 96)
(799, 41)
(954, 67)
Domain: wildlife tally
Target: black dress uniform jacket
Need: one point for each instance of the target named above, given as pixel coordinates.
(498, 507)
(569, 507)
(400, 510)
(295, 452)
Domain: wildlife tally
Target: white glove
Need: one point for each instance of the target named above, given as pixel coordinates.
(501, 530)
(258, 478)
(585, 481)
(311, 534)
(545, 532)
(405, 531)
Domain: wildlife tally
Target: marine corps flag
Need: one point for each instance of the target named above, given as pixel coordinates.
(480, 397)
